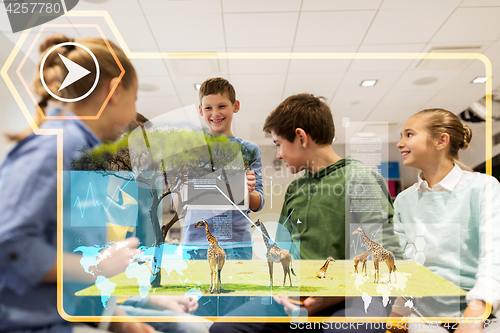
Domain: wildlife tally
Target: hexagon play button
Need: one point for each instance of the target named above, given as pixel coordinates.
(75, 72)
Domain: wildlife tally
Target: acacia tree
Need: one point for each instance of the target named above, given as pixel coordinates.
(162, 161)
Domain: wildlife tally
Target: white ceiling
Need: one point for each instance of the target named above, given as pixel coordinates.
(311, 26)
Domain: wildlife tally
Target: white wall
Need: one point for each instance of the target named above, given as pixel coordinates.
(476, 153)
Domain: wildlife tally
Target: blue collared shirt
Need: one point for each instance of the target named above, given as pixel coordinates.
(28, 225)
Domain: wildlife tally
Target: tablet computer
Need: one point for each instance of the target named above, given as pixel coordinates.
(219, 190)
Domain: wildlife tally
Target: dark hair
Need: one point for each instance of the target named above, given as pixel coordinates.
(305, 111)
(54, 71)
(217, 85)
(440, 121)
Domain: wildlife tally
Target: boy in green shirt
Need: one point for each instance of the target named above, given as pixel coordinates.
(328, 199)
(321, 210)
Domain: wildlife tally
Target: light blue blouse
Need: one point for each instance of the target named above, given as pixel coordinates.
(450, 233)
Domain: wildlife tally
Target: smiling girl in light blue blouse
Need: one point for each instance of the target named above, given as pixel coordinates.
(443, 220)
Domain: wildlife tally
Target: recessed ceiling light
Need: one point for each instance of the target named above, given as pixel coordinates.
(480, 79)
(368, 83)
(423, 81)
(197, 86)
(147, 87)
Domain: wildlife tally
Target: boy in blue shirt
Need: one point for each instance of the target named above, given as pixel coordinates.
(231, 228)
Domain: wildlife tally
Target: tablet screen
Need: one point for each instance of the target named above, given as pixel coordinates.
(221, 190)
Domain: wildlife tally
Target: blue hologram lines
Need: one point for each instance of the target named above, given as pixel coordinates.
(96, 203)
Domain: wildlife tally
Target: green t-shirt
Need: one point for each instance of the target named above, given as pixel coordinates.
(321, 210)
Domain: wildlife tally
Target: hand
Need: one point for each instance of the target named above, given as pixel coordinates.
(399, 309)
(311, 304)
(287, 305)
(116, 258)
(316, 304)
(179, 304)
(470, 327)
(131, 327)
(473, 329)
(475, 309)
(251, 181)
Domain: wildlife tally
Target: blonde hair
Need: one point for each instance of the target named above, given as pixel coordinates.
(440, 121)
(54, 71)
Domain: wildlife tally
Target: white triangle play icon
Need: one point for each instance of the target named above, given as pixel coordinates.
(75, 72)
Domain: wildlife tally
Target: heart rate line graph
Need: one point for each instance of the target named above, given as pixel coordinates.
(82, 205)
(97, 200)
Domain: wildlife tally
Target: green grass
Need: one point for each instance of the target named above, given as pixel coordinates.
(251, 278)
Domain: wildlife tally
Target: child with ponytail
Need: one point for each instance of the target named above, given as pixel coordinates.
(448, 207)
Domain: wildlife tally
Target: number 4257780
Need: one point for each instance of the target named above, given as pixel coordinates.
(31, 8)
